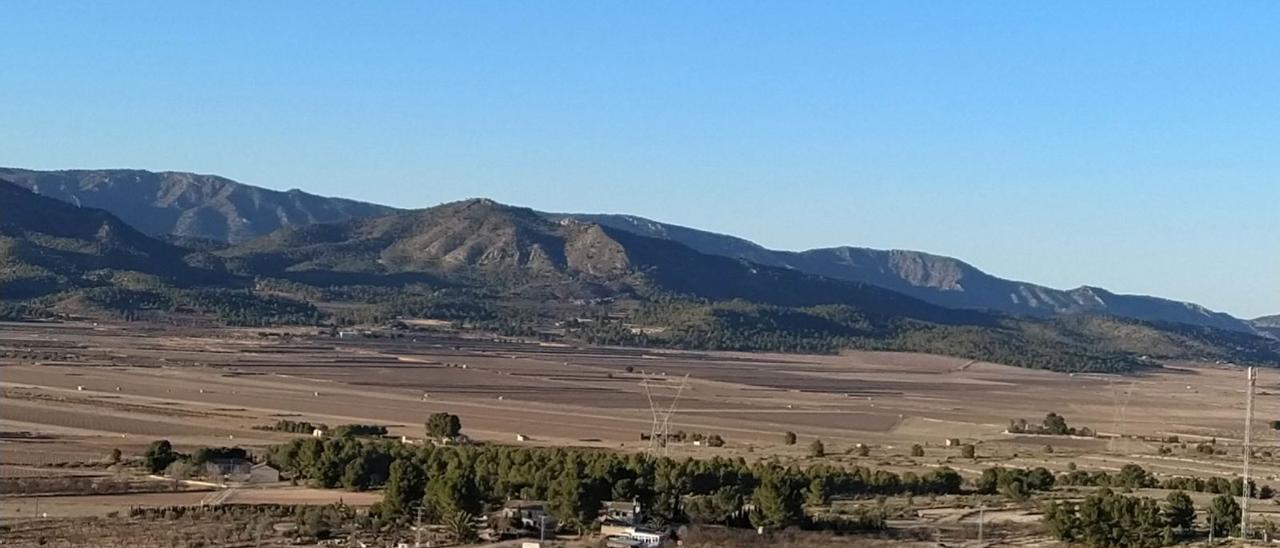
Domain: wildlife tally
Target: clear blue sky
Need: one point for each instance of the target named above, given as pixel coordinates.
(1131, 145)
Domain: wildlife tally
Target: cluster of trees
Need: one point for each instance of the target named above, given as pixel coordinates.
(748, 326)
(381, 304)
(341, 431)
(729, 325)
(237, 307)
(710, 440)
(316, 521)
(209, 454)
(1133, 476)
(160, 455)
(1053, 425)
(355, 430)
(293, 427)
(348, 462)
(244, 308)
(1015, 483)
(1108, 519)
(80, 485)
(20, 311)
(443, 426)
(443, 480)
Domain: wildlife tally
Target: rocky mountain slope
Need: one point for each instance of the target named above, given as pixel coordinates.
(936, 279)
(57, 258)
(201, 211)
(523, 252)
(515, 271)
(1267, 324)
(686, 298)
(187, 204)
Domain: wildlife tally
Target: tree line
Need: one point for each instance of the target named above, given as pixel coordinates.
(747, 326)
(1133, 476)
(1108, 519)
(444, 480)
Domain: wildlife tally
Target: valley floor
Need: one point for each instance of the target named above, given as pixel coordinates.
(71, 392)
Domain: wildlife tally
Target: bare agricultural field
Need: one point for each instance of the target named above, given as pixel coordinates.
(76, 391)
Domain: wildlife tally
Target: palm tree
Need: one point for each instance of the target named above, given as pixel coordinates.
(461, 526)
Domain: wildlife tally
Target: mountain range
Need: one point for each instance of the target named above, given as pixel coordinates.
(189, 205)
(47, 245)
(187, 208)
(516, 270)
(523, 252)
(944, 281)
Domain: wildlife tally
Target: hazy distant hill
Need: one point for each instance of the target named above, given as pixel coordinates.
(937, 279)
(187, 204)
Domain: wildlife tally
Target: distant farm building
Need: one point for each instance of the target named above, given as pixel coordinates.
(531, 514)
(623, 512)
(263, 473)
(953, 442)
(237, 470)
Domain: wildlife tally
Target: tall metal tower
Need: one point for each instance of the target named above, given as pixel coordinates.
(1245, 490)
(660, 430)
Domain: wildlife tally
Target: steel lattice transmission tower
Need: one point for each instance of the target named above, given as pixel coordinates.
(660, 429)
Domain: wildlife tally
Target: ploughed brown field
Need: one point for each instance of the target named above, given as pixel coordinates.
(71, 392)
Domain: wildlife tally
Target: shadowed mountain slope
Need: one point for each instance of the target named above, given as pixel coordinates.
(187, 204)
(47, 245)
(517, 248)
(936, 279)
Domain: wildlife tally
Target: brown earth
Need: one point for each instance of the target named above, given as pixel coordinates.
(69, 393)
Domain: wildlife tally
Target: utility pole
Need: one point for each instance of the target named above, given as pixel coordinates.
(417, 530)
(981, 509)
(1245, 490)
(542, 529)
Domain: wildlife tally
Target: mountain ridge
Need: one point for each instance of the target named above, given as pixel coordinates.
(189, 204)
(1268, 324)
(937, 279)
(48, 244)
(514, 271)
(189, 208)
(687, 298)
(480, 238)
